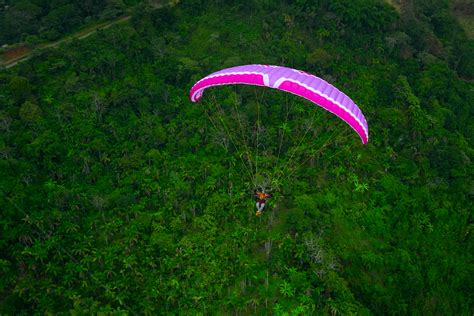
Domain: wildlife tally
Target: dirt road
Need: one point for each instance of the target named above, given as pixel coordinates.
(18, 54)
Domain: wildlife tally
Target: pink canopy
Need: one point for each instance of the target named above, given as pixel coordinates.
(291, 80)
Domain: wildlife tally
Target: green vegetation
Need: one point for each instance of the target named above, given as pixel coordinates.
(39, 20)
(464, 12)
(118, 195)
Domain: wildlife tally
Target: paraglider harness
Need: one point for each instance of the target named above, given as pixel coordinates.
(261, 197)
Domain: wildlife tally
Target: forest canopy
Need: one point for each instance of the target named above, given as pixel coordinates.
(34, 20)
(120, 195)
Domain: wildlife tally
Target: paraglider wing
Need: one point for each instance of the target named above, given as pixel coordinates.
(291, 80)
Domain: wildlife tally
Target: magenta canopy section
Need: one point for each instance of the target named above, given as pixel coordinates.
(290, 80)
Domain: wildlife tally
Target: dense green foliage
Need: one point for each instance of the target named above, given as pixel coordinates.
(34, 20)
(118, 194)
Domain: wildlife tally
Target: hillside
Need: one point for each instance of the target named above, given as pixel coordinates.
(119, 195)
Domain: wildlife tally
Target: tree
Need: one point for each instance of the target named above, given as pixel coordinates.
(21, 18)
(20, 88)
(30, 112)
